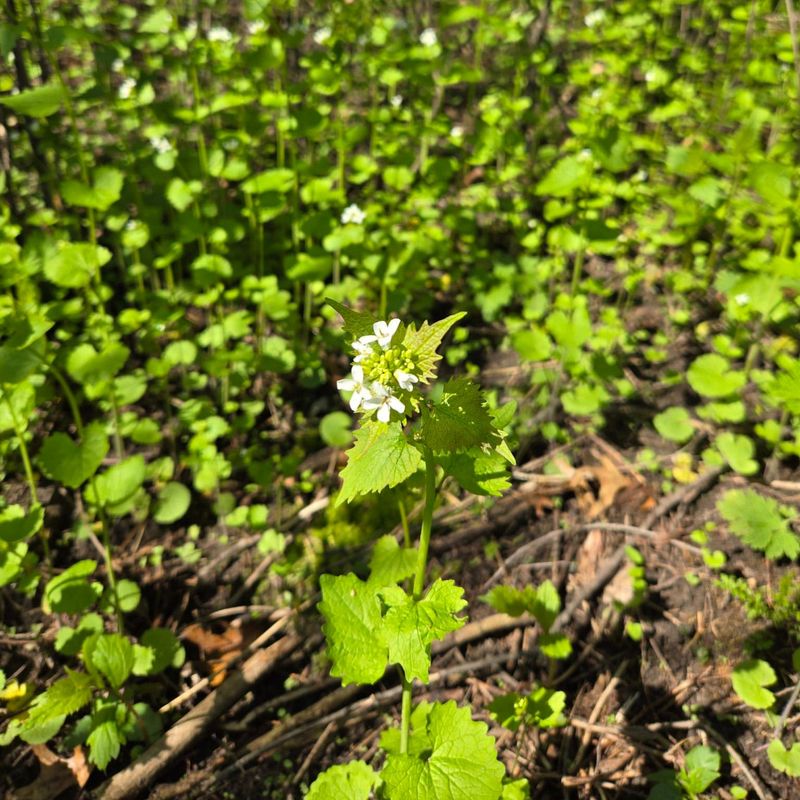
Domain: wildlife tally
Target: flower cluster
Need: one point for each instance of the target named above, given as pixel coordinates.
(428, 38)
(353, 214)
(381, 372)
(126, 88)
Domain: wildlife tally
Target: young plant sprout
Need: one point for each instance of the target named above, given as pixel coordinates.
(439, 750)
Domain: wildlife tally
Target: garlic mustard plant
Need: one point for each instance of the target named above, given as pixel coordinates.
(392, 617)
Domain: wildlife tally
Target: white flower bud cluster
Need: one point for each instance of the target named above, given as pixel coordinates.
(380, 372)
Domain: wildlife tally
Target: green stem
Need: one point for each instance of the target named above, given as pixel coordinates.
(84, 170)
(23, 447)
(404, 520)
(419, 582)
(427, 523)
(106, 528)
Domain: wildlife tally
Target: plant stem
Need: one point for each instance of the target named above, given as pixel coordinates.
(404, 520)
(23, 447)
(419, 582)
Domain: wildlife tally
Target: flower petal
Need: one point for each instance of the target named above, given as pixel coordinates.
(396, 404)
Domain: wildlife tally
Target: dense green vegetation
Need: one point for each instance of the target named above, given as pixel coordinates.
(609, 195)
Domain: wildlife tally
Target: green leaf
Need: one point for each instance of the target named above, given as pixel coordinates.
(532, 345)
(758, 522)
(17, 526)
(181, 194)
(39, 102)
(21, 397)
(555, 645)
(105, 739)
(70, 640)
(542, 602)
(353, 628)
(711, 375)
(11, 561)
(15, 366)
(477, 471)
(279, 180)
(674, 424)
(422, 344)
(182, 353)
(112, 655)
(173, 502)
(542, 708)
(391, 563)
(547, 605)
(510, 600)
(738, 451)
(380, 458)
(451, 757)
(128, 595)
(87, 365)
(786, 761)
(335, 429)
(773, 181)
(516, 790)
(118, 483)
(411, 625)
(75, 263)
(700, 770)
(104, 191)
(64, 697)
(69, 463)
(353, 781)
(164, 650)
(565, 176)
(459, 421)
(356, 323)
(70, 592)
(750, 680)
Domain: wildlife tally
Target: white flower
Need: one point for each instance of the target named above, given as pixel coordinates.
(742, 299)
(428, 38)
(354, 384)
(383, 401)
(405, 380)
(353, 214)
(456, 131)
(363, 347)
(219, 34)
(594, 18)
(384, 331)
(117, 65)
(126, 88)
(256, 26)
(321, 35)
(161, 144)
(396, 100)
